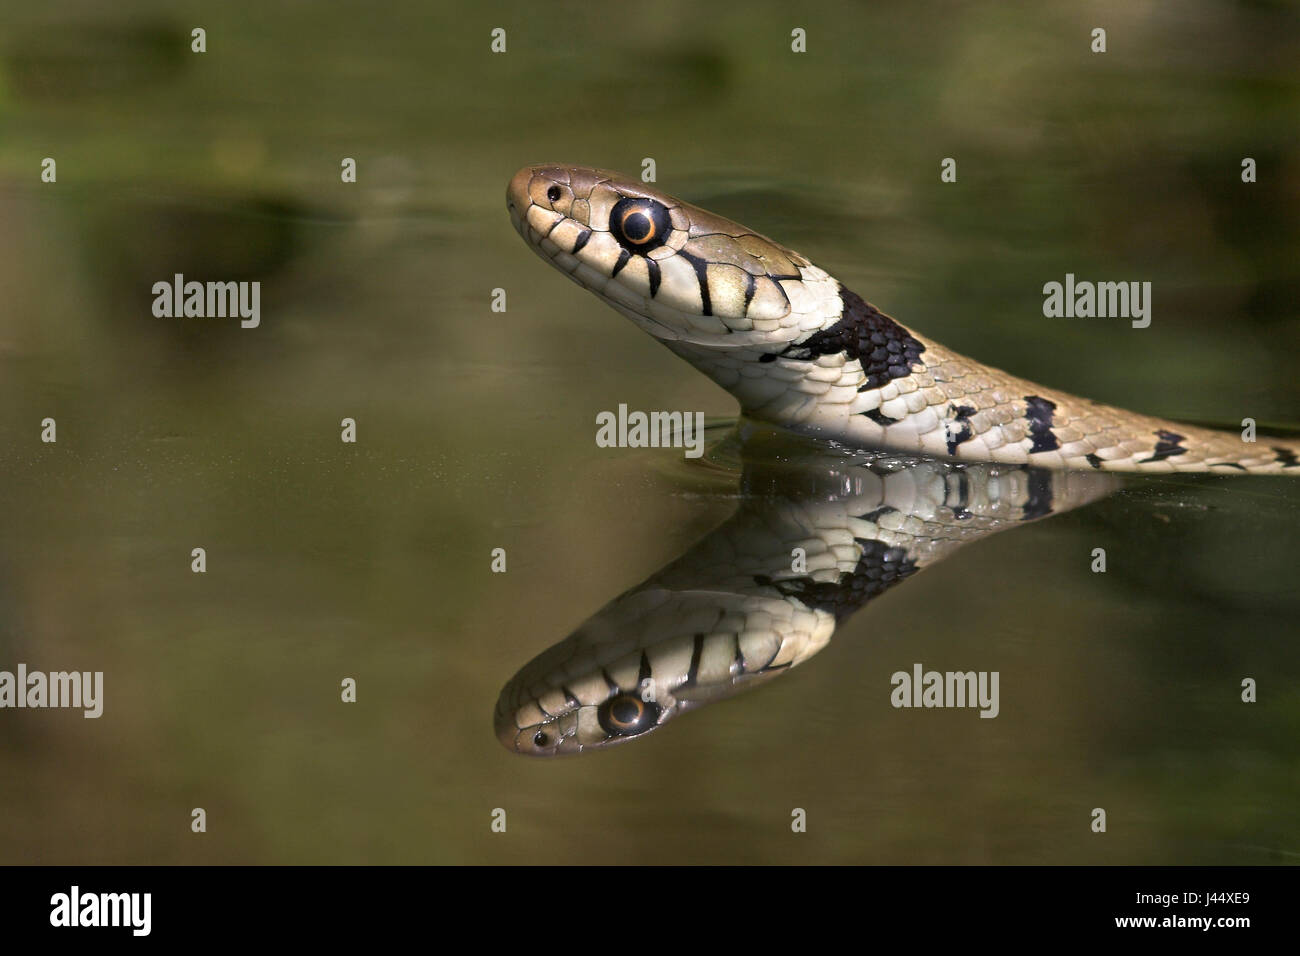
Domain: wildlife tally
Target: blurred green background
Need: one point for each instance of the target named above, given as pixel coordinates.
(476, 429)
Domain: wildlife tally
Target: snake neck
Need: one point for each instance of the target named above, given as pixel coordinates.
(860, 376)
(844, 364)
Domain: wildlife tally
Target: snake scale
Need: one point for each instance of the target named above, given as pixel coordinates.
(799, 350)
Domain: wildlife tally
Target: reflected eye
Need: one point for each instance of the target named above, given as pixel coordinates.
(640, 225)
(627, 715)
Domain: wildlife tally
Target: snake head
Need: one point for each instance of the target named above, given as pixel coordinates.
(681, 273)
(647, 657)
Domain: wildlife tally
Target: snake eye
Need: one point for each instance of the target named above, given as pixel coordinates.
(554, 194)
(640, 225)
(627, 715)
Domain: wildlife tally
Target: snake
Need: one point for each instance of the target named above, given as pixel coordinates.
(801, 351)
(949, 451)
(735, 611)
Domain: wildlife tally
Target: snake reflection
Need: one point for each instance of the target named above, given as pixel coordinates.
(740, 607)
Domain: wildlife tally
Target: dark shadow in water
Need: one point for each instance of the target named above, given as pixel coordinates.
(819, 533)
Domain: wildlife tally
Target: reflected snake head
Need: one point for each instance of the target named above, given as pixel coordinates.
(681, 273)
(645, 658)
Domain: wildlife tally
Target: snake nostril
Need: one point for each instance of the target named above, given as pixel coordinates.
(553, 194)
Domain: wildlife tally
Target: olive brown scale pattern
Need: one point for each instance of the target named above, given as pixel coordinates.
(799, 350)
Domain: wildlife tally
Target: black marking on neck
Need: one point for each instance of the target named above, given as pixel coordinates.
(693, 672)
(1038, 412)
(581, 241)
(1092, 459)
(1168, 445)
(702, 276)
(1039, 503)
(653, 268)
(961, 416)
(1225, 464)
(884, 348)
(1287, 458)
(881, 419)
(768, 357)
(751, 286)
(879, 568)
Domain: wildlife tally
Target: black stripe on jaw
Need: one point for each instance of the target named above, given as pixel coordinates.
(1286, 457)
(738, 661)
(702, 275)
(693, 672)
(581, 241)
(751, 286)
(624, 257)
(654, 276)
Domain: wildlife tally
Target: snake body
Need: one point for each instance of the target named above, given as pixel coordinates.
(735, 611)
(800, 350)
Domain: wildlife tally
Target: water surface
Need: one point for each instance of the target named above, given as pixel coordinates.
(476, 429)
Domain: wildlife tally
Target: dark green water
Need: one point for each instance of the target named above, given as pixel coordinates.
(476, 429)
